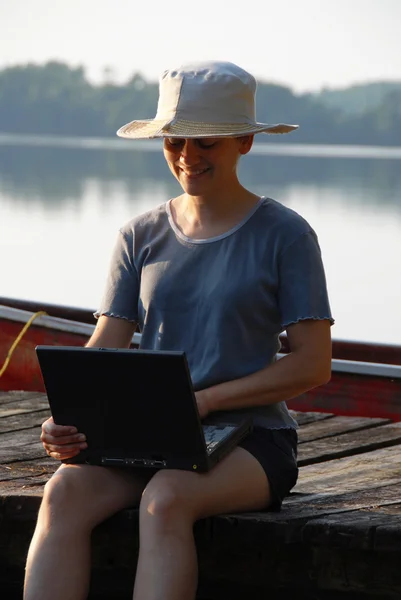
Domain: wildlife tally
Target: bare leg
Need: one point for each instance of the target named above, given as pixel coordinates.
(171, 503)
(76, 499)
(167, 564)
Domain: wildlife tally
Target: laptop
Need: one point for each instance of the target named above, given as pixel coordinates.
(137, 408)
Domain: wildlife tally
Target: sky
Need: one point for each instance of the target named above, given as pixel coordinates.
(304, 44)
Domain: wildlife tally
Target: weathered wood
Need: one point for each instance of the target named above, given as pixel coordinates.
(34, 466)
(320, 565)
(335, 426)
(347, 444)
(370, 497)
(367, 530)
(302, 418)
(17, 396)
(372, 469)
(21, 445)
(24, 471)
(18, 419)
(22, 453)
(337, 536)
(26, 437)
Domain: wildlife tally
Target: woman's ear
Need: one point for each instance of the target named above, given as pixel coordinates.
(246, 142)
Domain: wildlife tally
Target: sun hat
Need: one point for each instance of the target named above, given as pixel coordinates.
(208, 99)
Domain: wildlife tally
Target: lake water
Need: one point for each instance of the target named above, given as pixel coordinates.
(62, 202)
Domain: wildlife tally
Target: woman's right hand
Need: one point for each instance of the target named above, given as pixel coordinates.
(61, 441)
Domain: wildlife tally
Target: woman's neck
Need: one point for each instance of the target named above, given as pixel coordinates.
(201, 218)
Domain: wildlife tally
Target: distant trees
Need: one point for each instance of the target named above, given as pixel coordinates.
(53, 98)
(58, 99)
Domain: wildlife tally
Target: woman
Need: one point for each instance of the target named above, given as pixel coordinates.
(218, 272)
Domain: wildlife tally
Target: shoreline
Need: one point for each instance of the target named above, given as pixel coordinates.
(259, 148)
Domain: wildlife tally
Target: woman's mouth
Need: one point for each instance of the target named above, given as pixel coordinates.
(194, 173)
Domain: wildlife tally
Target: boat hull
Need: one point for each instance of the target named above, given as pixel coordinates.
(22, 372)
(353, 395)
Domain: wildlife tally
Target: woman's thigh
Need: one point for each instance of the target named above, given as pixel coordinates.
(237, 483)
(91, 494)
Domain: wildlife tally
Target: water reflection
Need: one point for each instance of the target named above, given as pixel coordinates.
(61, 174)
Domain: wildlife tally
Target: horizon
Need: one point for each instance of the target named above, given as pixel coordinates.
(303, 47)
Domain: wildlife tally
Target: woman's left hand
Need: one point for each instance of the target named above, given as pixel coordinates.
(201, 401)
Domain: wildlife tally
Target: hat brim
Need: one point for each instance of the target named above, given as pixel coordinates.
(152, 128)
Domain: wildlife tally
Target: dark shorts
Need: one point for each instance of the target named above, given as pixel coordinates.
(276, 451)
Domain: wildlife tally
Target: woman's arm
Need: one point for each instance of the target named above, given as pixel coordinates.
(112, 332)
(308, 365)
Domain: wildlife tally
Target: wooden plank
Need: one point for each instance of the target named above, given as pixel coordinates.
(21, 445)
(302, 418)
(299, 509)
(349, 444)
(371, 497)
(24, 486)
(20, 470)
(342, 529)
(15, 396)
(392, 508)
(24, 405)
(19, 438)
(371, 469)
(23, 420)
(22, 453)
(356, 530)
(336, 426)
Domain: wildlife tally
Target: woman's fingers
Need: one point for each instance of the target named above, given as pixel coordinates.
(63, 452)
(49, 427)
(60, 434)
(65, 448)
(61, 441)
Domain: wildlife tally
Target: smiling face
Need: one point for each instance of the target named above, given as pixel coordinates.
(204, 166)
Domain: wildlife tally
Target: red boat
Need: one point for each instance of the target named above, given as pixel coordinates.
(366, 378)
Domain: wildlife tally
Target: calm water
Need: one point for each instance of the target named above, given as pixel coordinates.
(61, 206)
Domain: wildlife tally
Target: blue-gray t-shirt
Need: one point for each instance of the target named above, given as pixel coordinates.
(223, 300)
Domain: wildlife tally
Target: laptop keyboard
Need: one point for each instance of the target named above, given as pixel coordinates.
(215, 433)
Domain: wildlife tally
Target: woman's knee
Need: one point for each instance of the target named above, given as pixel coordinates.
(164, 499)
(66, 496)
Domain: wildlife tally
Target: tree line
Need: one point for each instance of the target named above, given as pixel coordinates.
(58, 99)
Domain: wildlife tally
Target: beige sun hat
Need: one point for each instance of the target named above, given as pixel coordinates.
(208, 99)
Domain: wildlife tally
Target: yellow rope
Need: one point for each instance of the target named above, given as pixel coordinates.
(18, 339)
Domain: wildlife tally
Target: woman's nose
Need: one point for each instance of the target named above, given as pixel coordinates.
(189, 152)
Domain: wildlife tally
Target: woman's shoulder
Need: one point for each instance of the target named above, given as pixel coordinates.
(280, 216)
(281, 225)
(153, 218)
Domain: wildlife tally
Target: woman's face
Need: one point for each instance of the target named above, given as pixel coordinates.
(204, 165)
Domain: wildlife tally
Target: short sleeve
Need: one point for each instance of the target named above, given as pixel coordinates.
(302, 282)
(120, 298)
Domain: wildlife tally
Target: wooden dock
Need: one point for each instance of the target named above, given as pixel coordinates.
(338, 534)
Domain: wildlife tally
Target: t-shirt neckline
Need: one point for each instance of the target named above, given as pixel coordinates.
(216, 238)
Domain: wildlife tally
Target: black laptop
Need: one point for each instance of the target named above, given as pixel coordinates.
(137, 408)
